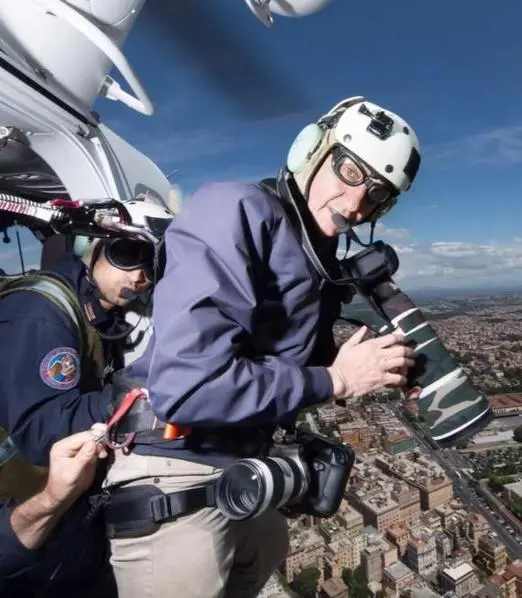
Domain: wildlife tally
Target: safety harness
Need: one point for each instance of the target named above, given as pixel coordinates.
(132, 420)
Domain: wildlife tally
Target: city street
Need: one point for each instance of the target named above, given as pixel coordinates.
(452, 463)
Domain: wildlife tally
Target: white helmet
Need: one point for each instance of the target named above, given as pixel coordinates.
(149, 219)
(382, 139)
(378, 137)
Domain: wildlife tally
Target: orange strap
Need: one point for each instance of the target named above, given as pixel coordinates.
(173, 432)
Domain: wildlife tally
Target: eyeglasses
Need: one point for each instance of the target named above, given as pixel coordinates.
(127, 254)
(353, 172)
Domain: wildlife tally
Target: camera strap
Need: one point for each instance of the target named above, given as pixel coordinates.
(354, 278)
(285, 191)
(136, 511)
(301, 220)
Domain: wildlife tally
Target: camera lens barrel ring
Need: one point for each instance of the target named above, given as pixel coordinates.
(249, 487)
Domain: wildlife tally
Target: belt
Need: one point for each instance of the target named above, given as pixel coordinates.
(132, 419)
(134, 422)
(136, 418)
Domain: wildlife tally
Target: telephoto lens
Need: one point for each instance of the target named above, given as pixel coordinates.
(448, 403)
(249, 487)
(452, 408)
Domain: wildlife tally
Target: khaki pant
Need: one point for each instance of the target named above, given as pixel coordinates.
(201, 555)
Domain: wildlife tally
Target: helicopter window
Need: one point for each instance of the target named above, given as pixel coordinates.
(20, 250)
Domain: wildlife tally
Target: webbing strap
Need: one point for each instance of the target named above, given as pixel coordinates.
(136, 511)
(56, 291)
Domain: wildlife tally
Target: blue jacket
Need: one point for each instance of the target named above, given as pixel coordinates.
(241, 339)
(15, 559)
(38, 403)
(70, 555)
(45, 396)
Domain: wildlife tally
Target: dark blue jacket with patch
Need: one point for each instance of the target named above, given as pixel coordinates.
(41, 401)
(242, 325)
(40, 396)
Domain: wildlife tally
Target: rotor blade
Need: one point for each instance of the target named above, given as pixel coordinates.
(198, 30)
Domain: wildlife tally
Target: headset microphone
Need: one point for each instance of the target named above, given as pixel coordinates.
(341, 224)
(126, 293)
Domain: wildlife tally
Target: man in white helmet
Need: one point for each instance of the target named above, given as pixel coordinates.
(62, 333)
(243, 341)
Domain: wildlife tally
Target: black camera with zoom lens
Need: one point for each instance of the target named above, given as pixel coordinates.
(305, 474)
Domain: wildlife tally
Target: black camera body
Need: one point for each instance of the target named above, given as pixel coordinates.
(327, 465)
(305, 474)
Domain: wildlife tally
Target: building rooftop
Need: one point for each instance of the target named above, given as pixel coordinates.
(371, 531)
(304, 539)
(507, 400)
(476, 518)
(381, 503)
(491, 541)
(458, 572)
(333, 587)
(398, 570)
(397, 530)
(512, 570)
(515, 487)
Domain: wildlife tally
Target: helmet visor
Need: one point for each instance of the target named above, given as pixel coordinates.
(128, 254)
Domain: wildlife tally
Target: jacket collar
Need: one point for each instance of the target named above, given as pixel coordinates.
(76, 273)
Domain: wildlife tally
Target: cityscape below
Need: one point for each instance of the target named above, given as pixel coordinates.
(416, 520)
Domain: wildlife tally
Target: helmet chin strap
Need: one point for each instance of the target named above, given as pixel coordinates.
(290, 192)
(352, 235)
(126, 328)
(94, 290)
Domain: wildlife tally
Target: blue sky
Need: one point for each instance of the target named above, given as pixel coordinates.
(230, 95)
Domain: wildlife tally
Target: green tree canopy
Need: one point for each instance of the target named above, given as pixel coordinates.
(306, 582)
(356, 582)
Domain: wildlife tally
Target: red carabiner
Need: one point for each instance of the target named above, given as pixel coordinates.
(123, 408)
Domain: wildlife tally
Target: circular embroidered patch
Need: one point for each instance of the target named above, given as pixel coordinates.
(60, 368)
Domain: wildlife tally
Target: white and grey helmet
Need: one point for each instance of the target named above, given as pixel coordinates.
(149, 219)
(379, 137)
(376, 136)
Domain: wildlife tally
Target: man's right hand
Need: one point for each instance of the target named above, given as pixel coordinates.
(71, 471)
(364, 366)
(72, 468)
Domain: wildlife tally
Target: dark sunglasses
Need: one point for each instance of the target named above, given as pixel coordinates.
(127, 254)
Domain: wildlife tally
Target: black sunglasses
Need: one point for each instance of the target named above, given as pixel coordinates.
(127, 254)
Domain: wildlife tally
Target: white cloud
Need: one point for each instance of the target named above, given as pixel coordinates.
(399, 234)
(460, 265)
(402, 249)
(501, 146)
(452, 264)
